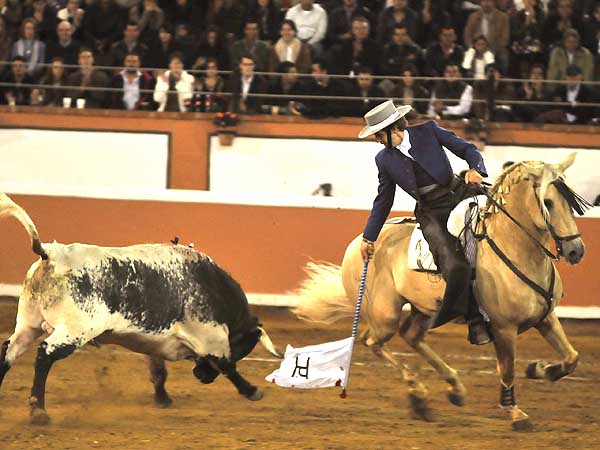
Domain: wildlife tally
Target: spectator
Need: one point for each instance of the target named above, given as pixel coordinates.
(65, 47)
(400, 51)
(321, 84)
(401, 14)
(286, 85)
(133, 83)
(259, 50)
(364, 87)
(88, 77)
(291, 49)
(212, 47)
(311, 22)
(443, 53)
(455, 96)
(166, 47)
(19, 93)
(29, 48)
(73, 14)
(208, 90)
(534, 90)
(411, 92)
(151, 21)
(591, 31)
(494, 25)
(570, 53)
(433, 16)
(497, 95)
(186, 41)
(227, 17)
(575, 93)
(359, 51)
(526, 32)
(103, 23)
(268, 18)
(184, 12)
(245, 82)
(174, 88)
(558, 22)
(340, 21)
(45, 18)
(56, 77)
(12, 11)
(5, 42)
(129, 44)
(477, 58)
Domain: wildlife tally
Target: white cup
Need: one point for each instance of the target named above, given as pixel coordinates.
(66, 102)
(80, 103)
(11, 101)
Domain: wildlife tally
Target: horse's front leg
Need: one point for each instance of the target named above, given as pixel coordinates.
(554, 333)
(505, 341)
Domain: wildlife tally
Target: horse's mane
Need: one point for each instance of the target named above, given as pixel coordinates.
(510, 176)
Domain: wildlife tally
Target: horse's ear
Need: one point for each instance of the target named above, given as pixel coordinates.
(569, 160)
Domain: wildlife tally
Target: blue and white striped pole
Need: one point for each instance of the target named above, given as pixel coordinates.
(361, 291)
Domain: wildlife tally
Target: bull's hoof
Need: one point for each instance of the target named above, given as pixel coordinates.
(522, 425)
(457, 399)
(256, 395)
(419, 408)
(39, 416)
(555, 372)
(535, 370)
(162, 401)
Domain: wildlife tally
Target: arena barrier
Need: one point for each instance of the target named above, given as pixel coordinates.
(264, 246)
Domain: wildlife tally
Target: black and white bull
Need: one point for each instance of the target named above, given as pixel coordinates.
(167, 301)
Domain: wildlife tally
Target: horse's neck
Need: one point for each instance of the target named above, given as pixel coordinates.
(515, 242)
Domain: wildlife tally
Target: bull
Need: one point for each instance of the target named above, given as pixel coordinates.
(170, 302)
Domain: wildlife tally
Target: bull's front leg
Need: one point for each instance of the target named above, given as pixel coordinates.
(158, 377)
(246, 389)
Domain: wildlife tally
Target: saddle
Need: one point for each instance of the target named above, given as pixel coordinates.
(461, 224)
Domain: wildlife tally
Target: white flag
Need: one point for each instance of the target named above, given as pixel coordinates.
(315, 366)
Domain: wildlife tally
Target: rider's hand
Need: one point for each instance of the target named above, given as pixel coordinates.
(367, 248)
(472, 176)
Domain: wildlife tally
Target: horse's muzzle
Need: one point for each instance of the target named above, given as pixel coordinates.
(573, 251)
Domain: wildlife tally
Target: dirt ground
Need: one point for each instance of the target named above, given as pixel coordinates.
(102, 399)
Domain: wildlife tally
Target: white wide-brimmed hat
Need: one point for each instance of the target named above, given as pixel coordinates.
(381, 116)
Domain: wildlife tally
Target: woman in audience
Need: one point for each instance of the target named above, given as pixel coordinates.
(287, 84)
(212, 46)
(208, 88)
(533, 89)
(477, 58)
(55, 76)
(31, 49)
(526, 33)
(408, 91)
(569, 53)
(291, 49)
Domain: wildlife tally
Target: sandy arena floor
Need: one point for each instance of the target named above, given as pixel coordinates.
(102, 399)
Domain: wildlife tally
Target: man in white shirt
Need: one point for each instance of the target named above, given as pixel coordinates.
(311, 22)
(455, 96)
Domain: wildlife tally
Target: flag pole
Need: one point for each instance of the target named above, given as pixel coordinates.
(361, 291)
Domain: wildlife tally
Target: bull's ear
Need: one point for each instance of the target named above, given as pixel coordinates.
(569, 160)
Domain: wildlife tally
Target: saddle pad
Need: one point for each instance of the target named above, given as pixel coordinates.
(419, 255)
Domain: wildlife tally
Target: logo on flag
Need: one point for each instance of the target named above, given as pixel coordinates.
(315, 366)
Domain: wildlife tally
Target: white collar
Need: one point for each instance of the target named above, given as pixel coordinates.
(405, 145)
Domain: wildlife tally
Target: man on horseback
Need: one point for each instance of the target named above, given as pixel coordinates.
(413, 158)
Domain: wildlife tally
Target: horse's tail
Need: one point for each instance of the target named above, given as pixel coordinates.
(9, 208)
(321, 295)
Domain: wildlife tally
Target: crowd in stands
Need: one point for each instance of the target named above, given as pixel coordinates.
(169, 55)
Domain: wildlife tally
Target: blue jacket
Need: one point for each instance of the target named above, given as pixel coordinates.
(426, 141)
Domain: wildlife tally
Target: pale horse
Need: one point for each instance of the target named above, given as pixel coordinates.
(516, 283)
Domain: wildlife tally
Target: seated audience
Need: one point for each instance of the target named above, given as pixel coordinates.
(492, 23)
(358, 51)
(19, 93)
(174, 88)
(397, 14)
(311, 23)
(133, 83)
(497, 96)
(129, 44)
(32, 50)
(290, 49)
(445, 51)
(455, 96)
(365, 88)
(534, 90)
(208, 89)
(65, 47)
(73, 14)
(242, 84)
(401, 50)
(527, 47)
(250, 44)
(339, 23)
(88, 77)
(321, 84)
(268, 17)
(285, 86)
(477, 58)
(411, 92)
(55, 78)
(570, 52)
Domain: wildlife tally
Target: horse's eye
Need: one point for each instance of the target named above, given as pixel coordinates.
(549, 203)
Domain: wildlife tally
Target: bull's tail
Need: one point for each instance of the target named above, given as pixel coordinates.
(9, 208)
(321, 296)
(267, 343)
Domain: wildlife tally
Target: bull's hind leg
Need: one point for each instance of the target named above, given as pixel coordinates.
(158, 377)
(59, 345)
(15, 346)
(413, 330)
(551, 329)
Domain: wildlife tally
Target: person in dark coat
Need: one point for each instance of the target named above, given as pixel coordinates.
(129, 44)
(358, 51)
(133, 83)
(321, 84)
(65, 47)
(415, 160)
(19, 93)
(364, 87)
(444, 52)
(401, 50)
(85, 78)
(243, 83)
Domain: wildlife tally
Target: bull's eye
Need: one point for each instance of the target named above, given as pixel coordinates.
(549, 203)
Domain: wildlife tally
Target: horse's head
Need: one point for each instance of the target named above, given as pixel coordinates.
(552, 206)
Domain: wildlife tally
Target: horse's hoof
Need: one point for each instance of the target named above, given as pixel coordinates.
(256, 395)
(420, 409)
(522, 425)
(163, 402)
(39, 417)
(555, 372)
(457, 399)
(536, 370)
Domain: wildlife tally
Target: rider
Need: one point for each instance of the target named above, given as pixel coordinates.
(413, 158)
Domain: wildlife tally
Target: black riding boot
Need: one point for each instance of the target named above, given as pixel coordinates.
(479, 333)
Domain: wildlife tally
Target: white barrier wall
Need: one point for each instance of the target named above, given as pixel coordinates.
(75, 159)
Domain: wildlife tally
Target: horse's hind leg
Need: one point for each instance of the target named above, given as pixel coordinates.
(551, 329)
(158, 377)
(413, 330)
(505, 343)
